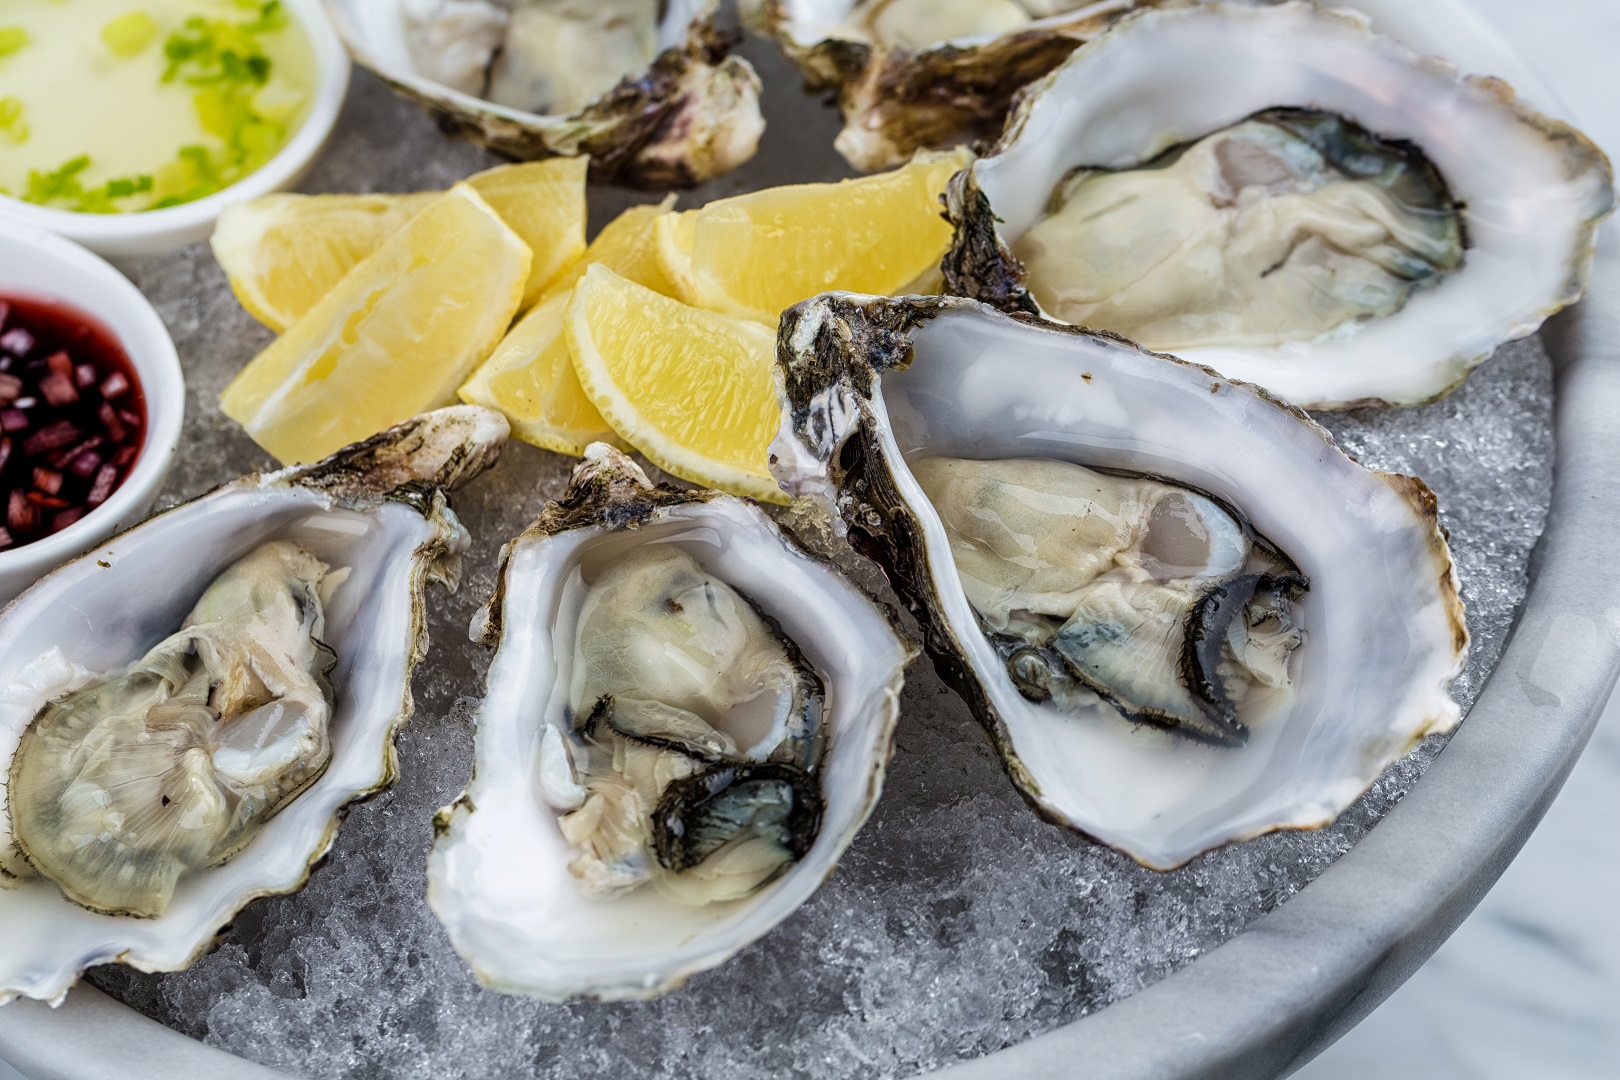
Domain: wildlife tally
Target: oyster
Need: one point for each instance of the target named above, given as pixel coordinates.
(926, 74)
(687, 721)
(646, 89)
(1114, 550)
(1308, 205)
(161, 715)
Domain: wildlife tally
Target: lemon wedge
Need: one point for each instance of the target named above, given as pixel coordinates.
(693, 390)
(544, 202)
(530, 378)
(628, 246)
(283, 253)
(395, 337)
(754, 255)
(530, 375)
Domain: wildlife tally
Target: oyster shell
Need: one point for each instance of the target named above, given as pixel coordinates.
(647, 90)
(686, 723)
(1330, 172)
(158, 744)
(876, 391)
(925, 74)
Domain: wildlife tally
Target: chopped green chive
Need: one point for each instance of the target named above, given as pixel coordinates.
(129, 35)
(11, 120)
(226, 64)
(62, 188)
(12, 39)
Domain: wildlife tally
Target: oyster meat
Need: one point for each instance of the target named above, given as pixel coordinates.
(1144, 594)
(1285, 227)
(186, 711)
(1183, 615)
(1306, 205)
(540, 56)
(119, 788)
(687, 720)
(919, 24)
(561, 55)
(700, 728)
(645, 88)
(454, 41)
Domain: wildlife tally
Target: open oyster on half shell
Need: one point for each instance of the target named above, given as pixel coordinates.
(186, 711)
(926, 74)
(1182, 613)
(687, 721)
(646, 88)
(1286, 196)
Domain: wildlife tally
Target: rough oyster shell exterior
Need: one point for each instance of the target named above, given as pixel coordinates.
(896, 101)
(692, 115)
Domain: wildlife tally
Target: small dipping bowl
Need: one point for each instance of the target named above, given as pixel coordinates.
(35, 265)
(134, 235)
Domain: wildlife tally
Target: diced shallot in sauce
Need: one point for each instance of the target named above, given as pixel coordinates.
(72, 417)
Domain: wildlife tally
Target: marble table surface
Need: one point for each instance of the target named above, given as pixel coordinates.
(1529, 986)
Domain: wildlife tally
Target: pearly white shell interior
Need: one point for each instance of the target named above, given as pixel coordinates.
(106, 609)
(376, 30)
(1380, 651)
(498, 876)
(1168, 77)
(812, 21)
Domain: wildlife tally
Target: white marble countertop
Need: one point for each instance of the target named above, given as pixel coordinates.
(1529, 986)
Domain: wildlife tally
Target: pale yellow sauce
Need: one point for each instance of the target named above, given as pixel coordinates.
(79, 98)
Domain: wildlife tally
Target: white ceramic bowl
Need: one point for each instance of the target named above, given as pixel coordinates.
(133, 235)
(39, 265)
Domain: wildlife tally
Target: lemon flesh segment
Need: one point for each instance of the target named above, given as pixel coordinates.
(693, 390)
(627, 245)
(544, 203)
(755, 255)
(282, 253)
(396, 337)
(530, 376)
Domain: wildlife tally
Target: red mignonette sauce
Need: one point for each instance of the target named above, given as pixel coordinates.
(72, 417)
